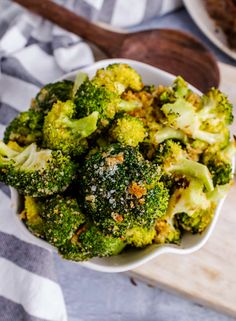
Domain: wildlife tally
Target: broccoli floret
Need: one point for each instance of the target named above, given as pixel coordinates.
(31, 216)
(36, 172)
(192, 208)
(179, 89)
(216, 111)
(219, 163)
(117, 78)
(61, 131)
(189, 198)
(94, 241)
(197, 222)
(25, 129)
(207, 120)
(121, 190)
(128, 130)
(63, 218)
(182, 115)
(173, 159)
(166, 133)
(51, 93)
(55, 219)
(90, 98)
(140, 236)
(90, 242)
(167, 232)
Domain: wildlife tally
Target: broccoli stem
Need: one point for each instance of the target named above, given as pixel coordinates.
(194, 169)
(210, 138)
(6, 151)
(126, 106)
(80, 78)
(86, 125)
(169, 133)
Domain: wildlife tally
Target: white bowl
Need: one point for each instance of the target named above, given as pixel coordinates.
(132, 258)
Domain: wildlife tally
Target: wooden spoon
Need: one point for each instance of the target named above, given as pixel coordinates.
(171, 50)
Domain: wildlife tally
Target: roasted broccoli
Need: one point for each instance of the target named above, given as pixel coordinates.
(61, 131)
(192, 207)
(121, 190)
(31, 215)
(90, 242)
(62, 217)
(140, 236)
(179, 89)
(173, 159)
(59, 220)
(90, 98)
(128, 130)
(25, 129)
(216, 111)
(36, 172)
(219, 163)
(167, 232)
(51, 93)
(208, 122)
(103, 92)
(105, 162)
(117, 78)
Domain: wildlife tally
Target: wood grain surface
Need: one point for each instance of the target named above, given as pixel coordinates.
(209, 275)
(171, 50)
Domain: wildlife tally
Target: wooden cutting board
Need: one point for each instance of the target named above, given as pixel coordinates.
(209, 275)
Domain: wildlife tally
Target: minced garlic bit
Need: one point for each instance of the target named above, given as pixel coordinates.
(137, 190)
(115, 159)
(117, 217)
(90, 198)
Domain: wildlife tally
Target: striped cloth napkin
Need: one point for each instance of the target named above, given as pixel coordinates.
(34, 52)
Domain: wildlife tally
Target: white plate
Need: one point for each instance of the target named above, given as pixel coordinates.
(130, 259)
(202, 19)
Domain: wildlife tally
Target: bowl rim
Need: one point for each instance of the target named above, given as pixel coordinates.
(159, 249)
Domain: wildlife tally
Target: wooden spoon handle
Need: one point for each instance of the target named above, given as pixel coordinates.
(108, 41)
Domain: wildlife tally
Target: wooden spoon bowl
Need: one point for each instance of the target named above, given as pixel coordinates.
(174, 51)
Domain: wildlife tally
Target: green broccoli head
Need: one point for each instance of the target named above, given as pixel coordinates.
(121, 190)
(36, 172)
(205, 118)
(140, 236)
(25, 129)
(92, 98)
(55, 218)
(90, 242)
(219, 163)
(179, 89)
(192, 208)
(128, 130)
(167, 232)
(197, 222)
(50, 94)
(174, 160)
(31, 215)
(117, 78)
(182, 115)
(216, 111)
(62, 132)
(62, 217)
